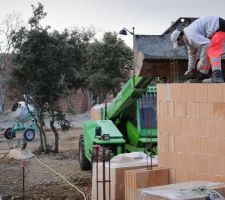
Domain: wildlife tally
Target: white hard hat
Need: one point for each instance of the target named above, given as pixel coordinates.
(175, 34)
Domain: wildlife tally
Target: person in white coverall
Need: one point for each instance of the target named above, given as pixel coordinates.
(204, 36)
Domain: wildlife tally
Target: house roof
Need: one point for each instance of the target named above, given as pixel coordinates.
(160, 46)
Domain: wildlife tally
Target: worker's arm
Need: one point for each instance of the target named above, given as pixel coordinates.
(202, 43)
(192, 57)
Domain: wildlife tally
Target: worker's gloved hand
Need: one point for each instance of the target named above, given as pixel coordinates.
(200, 65)
(189, 73)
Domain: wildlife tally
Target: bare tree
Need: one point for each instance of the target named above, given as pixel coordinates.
(8, 24)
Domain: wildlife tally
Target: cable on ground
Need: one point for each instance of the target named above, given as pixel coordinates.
(4, 156)
(61, 177)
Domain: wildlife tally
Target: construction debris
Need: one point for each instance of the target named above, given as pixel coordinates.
(20, 154)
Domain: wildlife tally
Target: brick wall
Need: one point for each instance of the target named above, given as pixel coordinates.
(78, 102)
(191, 131)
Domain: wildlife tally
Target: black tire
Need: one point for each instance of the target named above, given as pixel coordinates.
(85, 164)
(29, 134)
(9, 134)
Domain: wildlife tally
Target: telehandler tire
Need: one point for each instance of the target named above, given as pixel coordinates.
(85, 164)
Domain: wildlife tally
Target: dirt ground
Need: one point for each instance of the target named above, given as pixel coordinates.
(40, 182)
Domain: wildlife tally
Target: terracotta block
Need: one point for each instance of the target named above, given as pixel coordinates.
(222, 158)
(175, 92)
(142, 178)
(180, 109)
(188, 92)
(195, 147)
(95, 114)
(215, 92)
(179, 143)
(214, 165)
(193, 109)
(160, 145)
(117, 177)
(200, 163)
(219, 110)
(200, 176)
(205, 127)
(157, 107)
(219, 179)
(163, 141)
(220, 144)
(211, 146)
(187, 162)
(223, 85)
(170, 107)
(161, 92)
(185, 126)
(181, 176)
(162, 125)
(174, 159)
(206, 146)
(163, 108)
(172, 176)
(171, 139)
(175, 125)
(219, 128)
(210, 128)
(193, 176)
(206, 110)
(188, 126)
(188, 143)
(163, 160)
(201, 92)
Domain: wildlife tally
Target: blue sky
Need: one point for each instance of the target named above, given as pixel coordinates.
(148, 17)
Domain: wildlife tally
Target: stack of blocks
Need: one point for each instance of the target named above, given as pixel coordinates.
(95, 114)
(191, 131)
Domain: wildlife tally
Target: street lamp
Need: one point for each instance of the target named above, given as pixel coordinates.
(124, 31)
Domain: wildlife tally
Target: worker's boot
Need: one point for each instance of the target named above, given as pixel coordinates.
(217, 77)
(198, 79)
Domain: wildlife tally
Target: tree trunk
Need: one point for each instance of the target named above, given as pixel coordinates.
(56, 149)
(41, 145)
(43, 140)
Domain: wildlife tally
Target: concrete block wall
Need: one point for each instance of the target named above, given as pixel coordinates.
(191, 131)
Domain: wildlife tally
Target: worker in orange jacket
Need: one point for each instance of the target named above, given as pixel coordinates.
(205, 37)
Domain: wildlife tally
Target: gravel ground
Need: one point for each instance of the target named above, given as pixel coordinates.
(40, 182)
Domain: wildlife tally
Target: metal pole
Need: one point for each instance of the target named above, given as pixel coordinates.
(96, 154)
(105, 110)
(104, 197)
(151, 153)
(109, 176)
(23, 169)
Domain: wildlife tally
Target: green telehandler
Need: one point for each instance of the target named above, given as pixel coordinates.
(128, 124)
